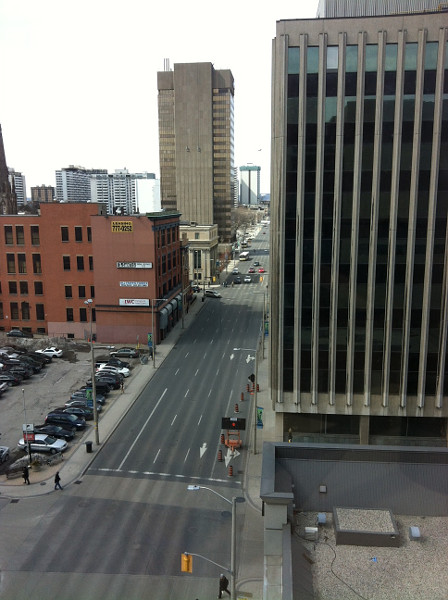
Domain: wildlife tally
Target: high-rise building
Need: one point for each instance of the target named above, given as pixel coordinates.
(359, 271)
(250, 185)
(8, 198)
(196, 144)
(73, 184)
(18, 182)
(361, 8)
(42, 193)
(117, 190)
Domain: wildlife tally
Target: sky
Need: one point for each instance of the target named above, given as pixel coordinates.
(79, 79)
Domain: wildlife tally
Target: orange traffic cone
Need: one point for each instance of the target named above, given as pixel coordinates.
(230, 472)
(222, 438)
(220, 455)
(236, 408)
(258, 388)
(242, 396)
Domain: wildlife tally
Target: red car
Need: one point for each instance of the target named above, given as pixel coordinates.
(251, 270)
(261, 270)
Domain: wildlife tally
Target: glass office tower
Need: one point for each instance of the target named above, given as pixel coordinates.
(359, 285)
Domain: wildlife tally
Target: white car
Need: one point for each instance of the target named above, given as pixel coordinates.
(51, 351)
(105, 368)
(44, 443)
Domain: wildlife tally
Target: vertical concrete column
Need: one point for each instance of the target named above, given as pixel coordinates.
(364, 429)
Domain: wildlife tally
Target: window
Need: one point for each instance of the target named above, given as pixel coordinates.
(78, 234)
(11, 263)
(37, 265)
(1, 311)
(92, 291)
(14, 309)
(80, 263)
(81, 291)
(66, 263)
(93, 315)
(83, 315)
(91, 263)
(68, 291)
(25, 307)
(38, 288)
(89, 234)
(196, 236)
(21, 260)
(35, 239)
(8, 235)
(40, 312)
(24, 287)
(69, 313)
(12, 287)
(20, 235)
(64, 234)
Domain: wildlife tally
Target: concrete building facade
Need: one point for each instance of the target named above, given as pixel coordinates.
(196, 139)
(359, 202)
(18, 182)
(43, 193)
(250, 185)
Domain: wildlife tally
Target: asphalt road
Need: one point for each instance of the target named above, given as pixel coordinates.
(120, 531)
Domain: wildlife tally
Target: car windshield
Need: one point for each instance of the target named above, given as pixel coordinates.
(50, 440)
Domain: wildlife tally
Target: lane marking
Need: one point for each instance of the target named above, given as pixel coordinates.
(155, 473)
(186, 456)
(158, 451)
(177, 371)
(186, 393)
(200, 419)
(142, 429)
(175, 417)
(197, 371)
(187, 354)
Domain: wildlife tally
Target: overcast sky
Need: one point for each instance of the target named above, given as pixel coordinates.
(79, 79)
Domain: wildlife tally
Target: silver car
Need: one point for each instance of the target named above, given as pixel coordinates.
(44, 443)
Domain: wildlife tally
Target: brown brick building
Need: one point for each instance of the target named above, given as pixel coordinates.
(51, 263)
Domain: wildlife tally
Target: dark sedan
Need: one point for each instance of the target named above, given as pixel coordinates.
(126, 353)
(57, 432)
(18, 333)
(87, 395)
(82, 412)
(10, 378)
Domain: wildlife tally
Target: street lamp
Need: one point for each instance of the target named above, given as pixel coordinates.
(255, 390)
(26, 424)
(89, 303)
(235, 499)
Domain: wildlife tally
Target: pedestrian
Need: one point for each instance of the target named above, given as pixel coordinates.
(26, 475)
(122, 386)
(223, 585)
(57, 481)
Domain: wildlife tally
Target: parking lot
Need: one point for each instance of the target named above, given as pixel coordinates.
(34, 398)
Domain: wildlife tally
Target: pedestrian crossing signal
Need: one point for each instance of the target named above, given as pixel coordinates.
(186, 564)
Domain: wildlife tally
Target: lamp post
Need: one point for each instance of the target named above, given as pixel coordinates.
(255, 391)
(26, 423)
(89, 303)
(196, 488)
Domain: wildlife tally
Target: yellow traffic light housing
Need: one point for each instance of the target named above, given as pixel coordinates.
(186, 564)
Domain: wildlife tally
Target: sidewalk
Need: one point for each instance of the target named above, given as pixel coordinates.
(250, 561)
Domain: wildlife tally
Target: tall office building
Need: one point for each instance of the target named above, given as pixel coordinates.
(359, 283)
(118, 190)
(8, 198)
(18, 181)
(250, 185)
(196, 144)
(42, 193)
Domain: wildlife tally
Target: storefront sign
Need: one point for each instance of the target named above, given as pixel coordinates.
(133, 302)
(134, 265)
(133, 284)
(122, 226)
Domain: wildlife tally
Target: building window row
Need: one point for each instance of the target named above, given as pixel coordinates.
(81, 291)
(22, 263)
(78, 233)
(20, 235)
(22, 311)
(83, 316)
(66, 263)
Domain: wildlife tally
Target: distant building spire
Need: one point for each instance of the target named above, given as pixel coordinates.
(8, 199)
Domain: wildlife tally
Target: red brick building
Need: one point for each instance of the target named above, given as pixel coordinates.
(52, 263)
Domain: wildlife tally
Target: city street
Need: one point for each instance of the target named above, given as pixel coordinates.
(120, 529)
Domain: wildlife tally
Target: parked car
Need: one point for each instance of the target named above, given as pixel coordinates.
(248, 279)
(10, 378)
(116, 362)
(56, 431)
(237, 280)
(64, 420)
(35, 365)
(41, 358)
(83, 412)
(4, 454)
(85, 395)
(126, 352)
(43, 443)
(51, 351)
(23, 370)
(18, 333)
(109, 380)
(212, 294)
(195, 288)
(105, 368)
(101, 387)
(79, 403)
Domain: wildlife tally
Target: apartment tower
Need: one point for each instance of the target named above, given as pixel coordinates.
(359, 196)
(196, 144)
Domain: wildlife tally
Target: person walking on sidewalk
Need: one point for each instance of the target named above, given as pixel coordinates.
(26, 475)
(223, 585)
(57, 482)
(122, 386)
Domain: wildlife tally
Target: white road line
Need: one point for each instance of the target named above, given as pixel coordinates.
(187, 354)
(186, 456)
(172, 422)
(192, 477)
(177, 371)
(158, 451)
(186, 393)
(200, 419)
(197, 371)
(142, 429)
(205, 355)
(209, 393)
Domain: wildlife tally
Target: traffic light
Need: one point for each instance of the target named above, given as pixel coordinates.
(186, 563)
